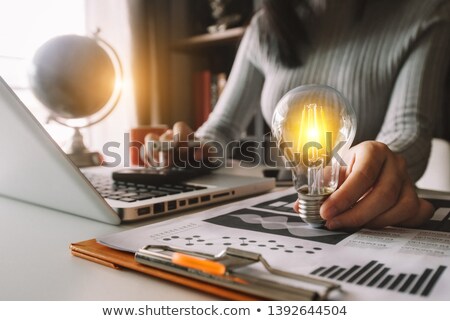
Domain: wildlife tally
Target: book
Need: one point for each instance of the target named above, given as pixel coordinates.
(202, 96)
(208, 87)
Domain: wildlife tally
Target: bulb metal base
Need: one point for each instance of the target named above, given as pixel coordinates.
(309, 209)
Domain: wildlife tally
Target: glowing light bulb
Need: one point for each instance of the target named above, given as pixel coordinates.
(314, 125)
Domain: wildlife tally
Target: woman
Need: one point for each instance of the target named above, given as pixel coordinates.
(389, 58)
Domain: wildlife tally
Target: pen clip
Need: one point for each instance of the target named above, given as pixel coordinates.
(201, 264)
(223, 269)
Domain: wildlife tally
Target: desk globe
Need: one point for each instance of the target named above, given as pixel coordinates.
(77, 78)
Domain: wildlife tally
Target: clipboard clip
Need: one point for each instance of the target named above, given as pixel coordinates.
(224, 269)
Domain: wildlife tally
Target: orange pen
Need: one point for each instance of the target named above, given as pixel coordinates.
(204, 265)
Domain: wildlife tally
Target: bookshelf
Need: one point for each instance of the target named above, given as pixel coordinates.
(209, 58)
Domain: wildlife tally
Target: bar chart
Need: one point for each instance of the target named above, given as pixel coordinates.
(376, 275)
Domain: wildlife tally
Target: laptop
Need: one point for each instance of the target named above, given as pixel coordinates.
(34, 169)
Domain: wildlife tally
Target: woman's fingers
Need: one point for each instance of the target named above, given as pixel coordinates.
(426, 211)
(377, 192)
(182, 133)
(171, 148)
(167, 136)
(165, 156)
(405, 207)
(368, 163)
(183, 152)
(410, 211)
(151, 147)
(383, 195)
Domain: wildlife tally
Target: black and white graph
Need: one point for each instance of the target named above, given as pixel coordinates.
(376, 275)
(439, 222)
(276, 224)
(283, 204)
(257, 244)
(386, 264)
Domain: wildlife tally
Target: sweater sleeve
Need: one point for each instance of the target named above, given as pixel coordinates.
(241, 97)
(417, 96)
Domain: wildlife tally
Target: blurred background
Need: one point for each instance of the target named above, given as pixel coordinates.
(175, 55)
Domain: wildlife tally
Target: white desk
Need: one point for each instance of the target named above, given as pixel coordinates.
(36, 264)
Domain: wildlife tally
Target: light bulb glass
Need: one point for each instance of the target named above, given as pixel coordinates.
(314, 125)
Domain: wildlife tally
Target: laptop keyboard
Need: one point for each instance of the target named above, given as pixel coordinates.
(131, 192)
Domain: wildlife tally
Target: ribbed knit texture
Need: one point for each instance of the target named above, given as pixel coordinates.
(390, 64)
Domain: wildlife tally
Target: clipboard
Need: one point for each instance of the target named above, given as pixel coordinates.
(211, 274)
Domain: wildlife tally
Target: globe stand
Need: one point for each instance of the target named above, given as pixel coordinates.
(80, 155)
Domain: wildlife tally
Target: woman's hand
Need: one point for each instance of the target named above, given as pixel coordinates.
(181, 151)
(376, 192)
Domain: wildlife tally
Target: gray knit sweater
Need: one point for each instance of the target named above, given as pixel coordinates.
(390, 64)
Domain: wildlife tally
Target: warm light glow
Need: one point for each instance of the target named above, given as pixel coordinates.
(119, 84)
(311, 129)
(24, 26)
(313, 126)
(313, 133)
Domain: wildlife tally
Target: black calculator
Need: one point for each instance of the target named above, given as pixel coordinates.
(158, 176)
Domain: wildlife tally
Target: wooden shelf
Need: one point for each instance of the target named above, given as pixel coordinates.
(209, 40)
